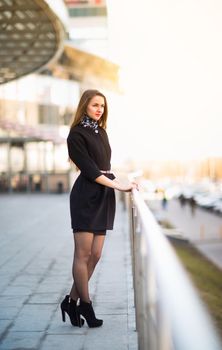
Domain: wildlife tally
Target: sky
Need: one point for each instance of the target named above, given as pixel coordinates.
(170, 53)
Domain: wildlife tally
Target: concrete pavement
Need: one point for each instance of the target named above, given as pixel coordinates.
(35, 274)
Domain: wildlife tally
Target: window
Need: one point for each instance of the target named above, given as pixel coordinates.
(88, 12)
(48, 114)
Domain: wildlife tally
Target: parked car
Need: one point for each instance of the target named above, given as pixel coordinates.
(207, 200)
(218, 206)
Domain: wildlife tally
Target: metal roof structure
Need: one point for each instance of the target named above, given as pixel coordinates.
(33, 37)
(32, 34)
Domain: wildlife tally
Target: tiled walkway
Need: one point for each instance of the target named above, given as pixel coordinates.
(35, 274)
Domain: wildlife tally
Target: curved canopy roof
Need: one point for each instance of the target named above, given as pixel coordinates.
(32, 34)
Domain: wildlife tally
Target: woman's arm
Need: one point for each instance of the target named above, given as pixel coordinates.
(103, 180)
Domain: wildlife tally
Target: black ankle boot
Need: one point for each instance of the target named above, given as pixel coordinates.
(86, 310)
(69, 306)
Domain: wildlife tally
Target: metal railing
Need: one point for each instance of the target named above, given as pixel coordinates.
(169, 313)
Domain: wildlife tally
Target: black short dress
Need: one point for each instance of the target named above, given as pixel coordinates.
(92, 206)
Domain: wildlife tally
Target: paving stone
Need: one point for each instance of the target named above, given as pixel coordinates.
(112, 334)
(16, 291)
(44, 298)
(110, 308)
(63, 341)
(9, 312)
(33, 318)
(56, 326)
(47, 286)
(11, 300)
(21, 340)
(132, 341)
(4, 324)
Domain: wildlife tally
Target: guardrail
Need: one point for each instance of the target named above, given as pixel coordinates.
(169, 313)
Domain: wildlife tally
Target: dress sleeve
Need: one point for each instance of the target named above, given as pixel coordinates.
(78, 153)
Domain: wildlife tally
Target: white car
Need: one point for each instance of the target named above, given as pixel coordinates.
(207, 201)
(218, 205)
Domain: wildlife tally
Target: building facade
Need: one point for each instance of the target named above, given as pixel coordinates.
(35, 114)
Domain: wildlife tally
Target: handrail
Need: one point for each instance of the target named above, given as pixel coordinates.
(169, 313)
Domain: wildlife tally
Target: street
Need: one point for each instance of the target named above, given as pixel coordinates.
(203, 228)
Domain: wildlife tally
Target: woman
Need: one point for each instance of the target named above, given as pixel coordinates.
(92, 201)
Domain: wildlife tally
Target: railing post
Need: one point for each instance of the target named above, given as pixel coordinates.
(131, 211)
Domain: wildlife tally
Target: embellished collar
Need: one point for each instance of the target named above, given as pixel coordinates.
(88, 122)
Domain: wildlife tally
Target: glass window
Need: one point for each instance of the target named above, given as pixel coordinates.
(87, 12)
(61, 158)
(17, 158)
(33, 161)
(48, 114)
(49, 156)
(3, 158)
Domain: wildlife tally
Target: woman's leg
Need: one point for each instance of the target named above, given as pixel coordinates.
(83, 247)
(96, 251)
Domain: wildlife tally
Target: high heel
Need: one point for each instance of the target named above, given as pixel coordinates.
(69, 306)
(63, 315)
(86, 310)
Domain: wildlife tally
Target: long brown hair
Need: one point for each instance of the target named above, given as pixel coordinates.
(82, 106)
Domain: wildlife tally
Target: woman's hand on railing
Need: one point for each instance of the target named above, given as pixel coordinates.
(126, 187)
(116, 184)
